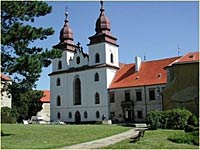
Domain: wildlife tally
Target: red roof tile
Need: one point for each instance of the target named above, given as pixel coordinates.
(150, 73)
(5, 78)
(189, 57)
(46, 97)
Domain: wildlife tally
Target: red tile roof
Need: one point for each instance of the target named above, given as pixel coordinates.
(5, 78)
(188, 58)
(46, 97)
(150, 73)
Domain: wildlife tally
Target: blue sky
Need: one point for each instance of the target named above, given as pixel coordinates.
(151, 29)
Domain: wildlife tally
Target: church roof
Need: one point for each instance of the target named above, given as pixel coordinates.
(150, 73)
(46, 97)
(5, 78)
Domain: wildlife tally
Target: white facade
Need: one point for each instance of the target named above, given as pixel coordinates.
(45, 112)
(83, 67)
(6, 97)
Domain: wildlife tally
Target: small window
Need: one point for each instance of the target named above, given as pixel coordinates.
(127, 96)
(58, 115)
(112, 114)
(139, 114)
(97, 114)
(97, 58)
(111, 58)
(58, 82)
(70, 115)
(59, 65)
(97, 98)
(138, 95)
(152, 94)
(96, 77)
(112, 97)
(78, 60)
(85, 114)
(58, 101)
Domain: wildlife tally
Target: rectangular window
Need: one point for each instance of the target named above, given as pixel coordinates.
(152, 94)
(112, 97)
(139, 114)
(139, 95)
(127, 96)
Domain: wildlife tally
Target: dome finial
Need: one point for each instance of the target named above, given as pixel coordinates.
(66, 14)
(102, 8)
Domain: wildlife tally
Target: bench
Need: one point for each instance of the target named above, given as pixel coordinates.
(136, 137)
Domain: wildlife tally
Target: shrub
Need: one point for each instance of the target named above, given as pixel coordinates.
(8, 115)
(153, 119)
(190, 128)
(192, 120)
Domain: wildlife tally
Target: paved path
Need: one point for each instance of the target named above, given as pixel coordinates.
(104, 141)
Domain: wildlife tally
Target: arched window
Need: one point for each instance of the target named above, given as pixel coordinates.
(78, 60)
(97, 58)
(96, 77)
(77, 91)
(58, 82)
(70, 115)
(60, 64)
(111, 58)
(58, 115)
(85, 114)
(97, 114)
(58, 101)
(97, 98)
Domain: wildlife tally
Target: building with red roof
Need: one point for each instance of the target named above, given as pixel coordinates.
(182, 89)
(6, 97)
(45, 112)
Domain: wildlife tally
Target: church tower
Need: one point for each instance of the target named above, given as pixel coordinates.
(67, 45)
(103, 48)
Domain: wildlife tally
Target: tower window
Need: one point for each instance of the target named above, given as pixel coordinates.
(97, 98)
(58, 101)
(60, 64)
(96, 77)
(77, 92)
(58, 115)
(85, 114)
(111, 58)
(78, 60)
(97, 58)
(70, 115)
(58, 82)
(97, 114)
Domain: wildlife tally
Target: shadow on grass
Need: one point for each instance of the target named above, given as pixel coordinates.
(6, 134)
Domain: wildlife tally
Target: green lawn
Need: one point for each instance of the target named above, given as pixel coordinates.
(53, 136)
(154, 139)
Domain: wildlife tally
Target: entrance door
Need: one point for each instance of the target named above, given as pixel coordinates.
(77, 117)
(128, 115)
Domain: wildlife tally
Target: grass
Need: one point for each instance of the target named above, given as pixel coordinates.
(53, 136)
(154, 139)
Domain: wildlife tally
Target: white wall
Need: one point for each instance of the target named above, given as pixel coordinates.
(6, 97)
(45, 112)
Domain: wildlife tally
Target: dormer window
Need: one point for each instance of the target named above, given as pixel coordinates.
(60, 64)
(97, 58)
(111, 58)
(78, 60)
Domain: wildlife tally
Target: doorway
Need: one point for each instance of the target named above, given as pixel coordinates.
(77, 117)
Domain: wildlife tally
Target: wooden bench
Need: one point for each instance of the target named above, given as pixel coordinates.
(136, 137)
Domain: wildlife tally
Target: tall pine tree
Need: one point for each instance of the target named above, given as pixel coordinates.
(18, 59)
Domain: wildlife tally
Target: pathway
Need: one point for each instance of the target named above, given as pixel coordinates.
(104, 141)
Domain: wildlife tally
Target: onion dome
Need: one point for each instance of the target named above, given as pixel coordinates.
(102, 29)
(66, 37)
(102, 23)
(66, 32)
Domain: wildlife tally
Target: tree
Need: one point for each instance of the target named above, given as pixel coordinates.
(18, 58)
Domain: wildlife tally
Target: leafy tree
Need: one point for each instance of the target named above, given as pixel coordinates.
(18, 58)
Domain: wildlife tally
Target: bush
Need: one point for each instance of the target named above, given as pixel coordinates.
(8, 115)
(170, 119)
(153, 119)
(192, 120)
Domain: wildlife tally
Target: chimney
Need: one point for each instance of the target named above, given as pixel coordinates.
(138, 61)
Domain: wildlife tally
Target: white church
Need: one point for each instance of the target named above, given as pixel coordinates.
(95, 86)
